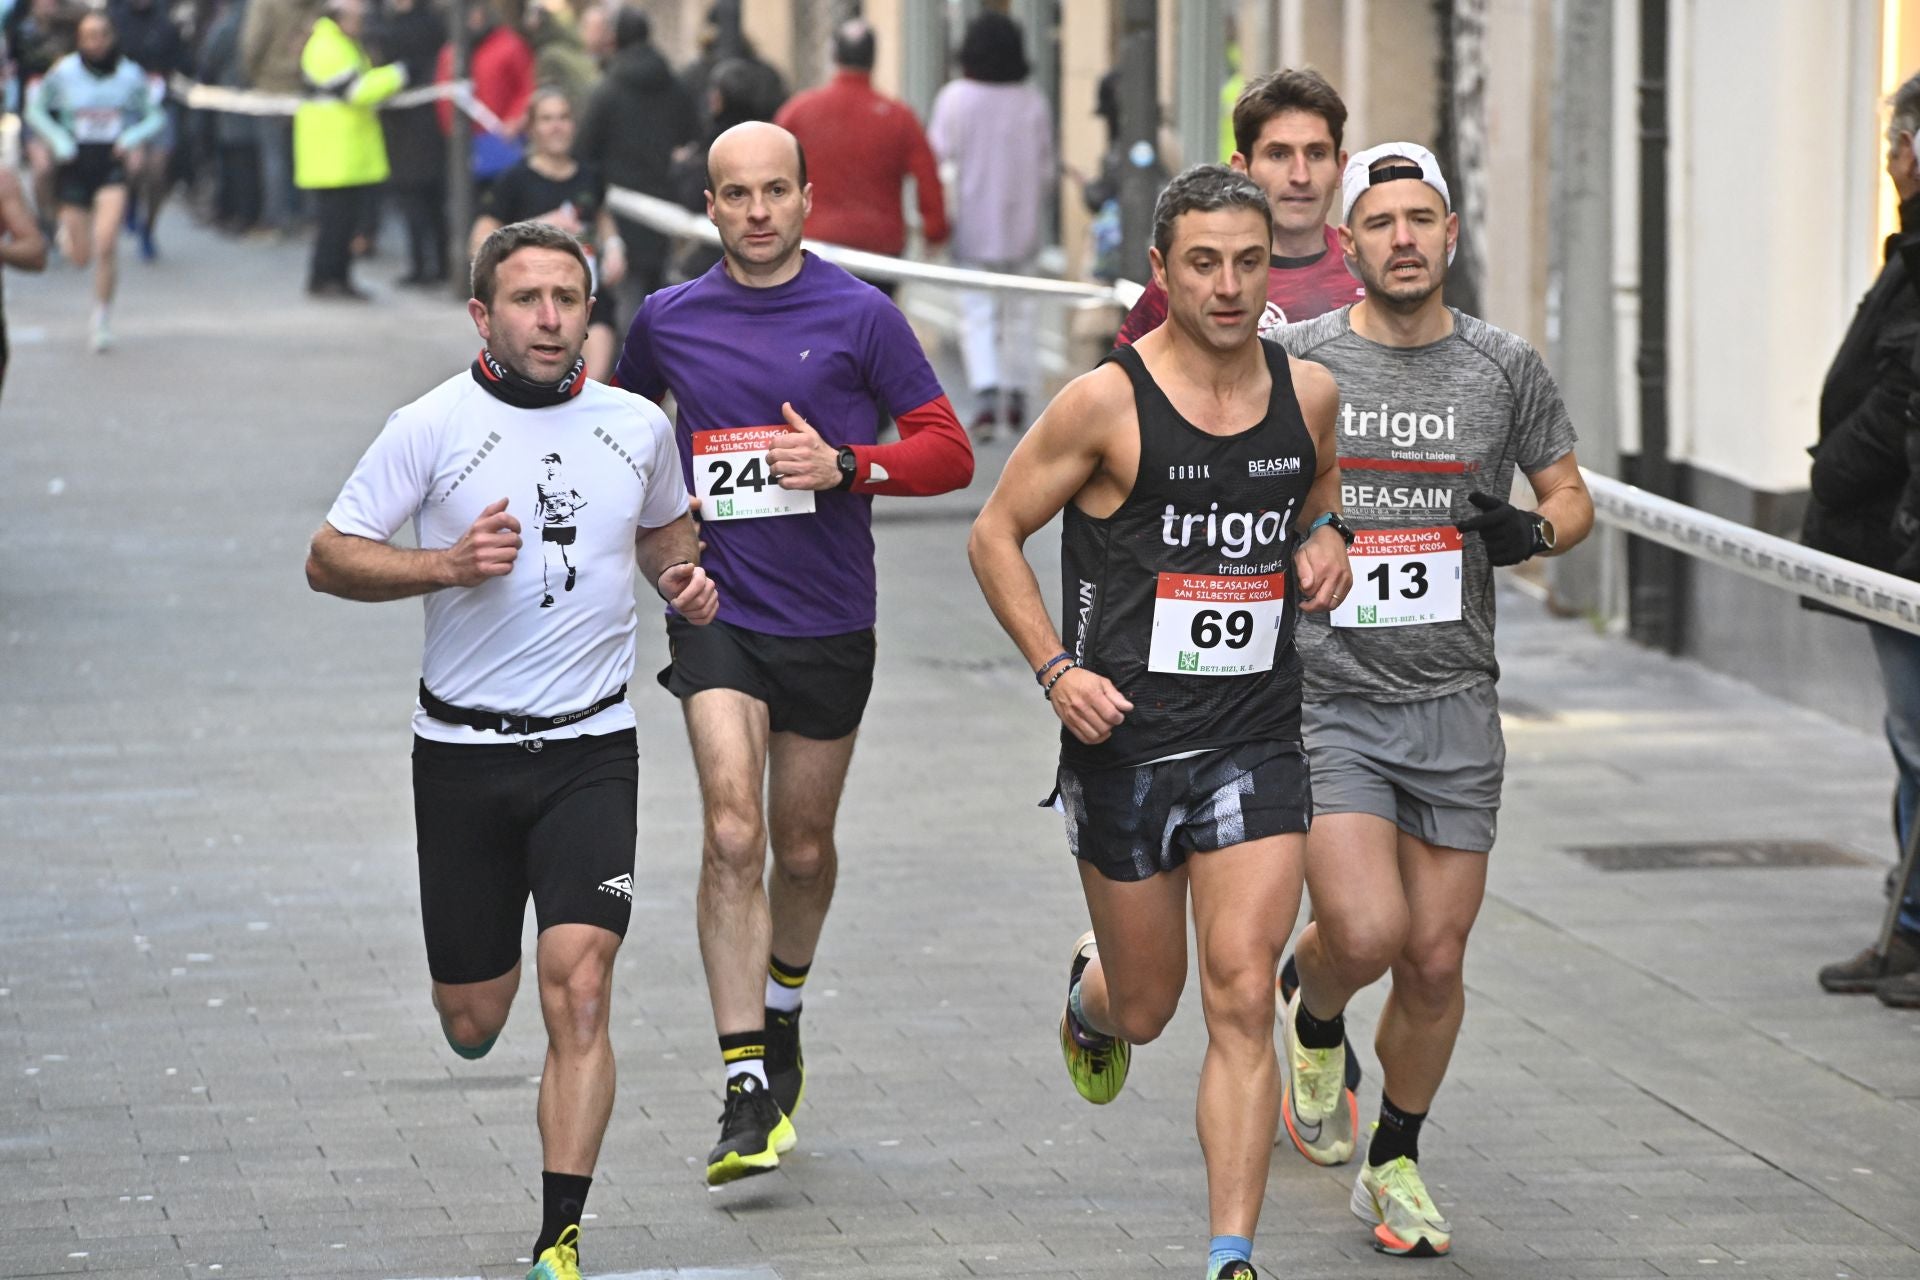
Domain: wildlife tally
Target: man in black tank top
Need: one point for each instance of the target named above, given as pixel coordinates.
(1199, 478)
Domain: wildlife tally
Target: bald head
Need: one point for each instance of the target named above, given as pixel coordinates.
(753, 152)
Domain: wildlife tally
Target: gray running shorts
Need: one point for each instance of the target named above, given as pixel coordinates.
(1433, 768)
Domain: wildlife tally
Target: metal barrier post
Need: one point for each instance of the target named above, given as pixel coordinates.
(460, 159)
(1892, 918)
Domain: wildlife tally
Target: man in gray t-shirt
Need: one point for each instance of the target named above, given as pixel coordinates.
(1400, 721)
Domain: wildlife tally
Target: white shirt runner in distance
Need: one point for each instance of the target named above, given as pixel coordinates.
(1205, 625)
(1402, 578)
(733, 481)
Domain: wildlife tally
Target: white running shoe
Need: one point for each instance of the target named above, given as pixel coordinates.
(1393, 1200)
(1317, 1110)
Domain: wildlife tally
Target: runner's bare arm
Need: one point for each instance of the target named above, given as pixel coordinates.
(23, 247)
(355, 568)
(1064, 452)
(1561, 496)
(613, 249)
(1322, 560)
(668, 558)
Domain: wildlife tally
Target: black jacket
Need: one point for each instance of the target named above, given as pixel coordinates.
(416, 149)
(1860, 461)
(638, 116)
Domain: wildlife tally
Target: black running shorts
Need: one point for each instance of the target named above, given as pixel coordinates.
(79, 180)
(815, 686)
(1132, 824)
(496, 823)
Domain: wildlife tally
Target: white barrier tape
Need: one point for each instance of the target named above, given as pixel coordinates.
(253, 102)
(670, 219)
(1868, 593)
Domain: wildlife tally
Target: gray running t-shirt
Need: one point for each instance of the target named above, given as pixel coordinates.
(1421, 428)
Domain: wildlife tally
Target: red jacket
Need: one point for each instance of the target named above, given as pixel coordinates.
(860, 147)
(502, 71)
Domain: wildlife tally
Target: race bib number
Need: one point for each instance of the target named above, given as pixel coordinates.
(1216, 626)
(1402, 578)
(731, 476)
(96, 124)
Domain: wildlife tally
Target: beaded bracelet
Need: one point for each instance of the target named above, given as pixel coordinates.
(1040, 676)
(1047, 688)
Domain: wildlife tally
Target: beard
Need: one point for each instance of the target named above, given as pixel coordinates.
(1401, 295)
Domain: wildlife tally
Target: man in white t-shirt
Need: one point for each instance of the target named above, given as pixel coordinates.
(524, 764)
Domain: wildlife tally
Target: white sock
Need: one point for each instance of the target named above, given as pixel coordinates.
(754, 1067)
(785, 999)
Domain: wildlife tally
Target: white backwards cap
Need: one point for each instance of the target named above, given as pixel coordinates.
(1418, 164)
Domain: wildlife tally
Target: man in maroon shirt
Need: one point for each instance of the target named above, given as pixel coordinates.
(861, 146)
(1288, 126)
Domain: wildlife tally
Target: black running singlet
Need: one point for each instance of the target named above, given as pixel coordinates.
(1184, 597)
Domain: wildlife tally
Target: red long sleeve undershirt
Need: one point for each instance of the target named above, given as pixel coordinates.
(932, 455)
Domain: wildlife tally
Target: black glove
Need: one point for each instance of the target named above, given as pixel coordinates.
(1510, 534)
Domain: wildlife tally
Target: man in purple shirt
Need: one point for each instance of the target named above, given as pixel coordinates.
(781, 364)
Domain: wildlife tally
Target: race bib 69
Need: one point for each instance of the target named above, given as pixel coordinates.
(1204, 625)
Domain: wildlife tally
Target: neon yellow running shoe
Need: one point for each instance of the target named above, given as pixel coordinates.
(561, 1261)
(1096, 1064)
(1319, 1111)
(1394, 1202)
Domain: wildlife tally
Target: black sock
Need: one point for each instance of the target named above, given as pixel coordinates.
(1316, 1034)
(741, 1048)
(787, 975)
(562, 1197)
(1398, 1134)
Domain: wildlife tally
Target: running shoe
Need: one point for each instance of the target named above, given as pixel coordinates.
(1097, 1064)
(1318, 1111)
(1234, 1269)
(754, 1134)
(1290, 983)
(561, 1261)
(100, 337)
(1393, 1201)
(786, 1068)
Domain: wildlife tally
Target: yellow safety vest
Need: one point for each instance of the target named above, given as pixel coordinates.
(337, 140)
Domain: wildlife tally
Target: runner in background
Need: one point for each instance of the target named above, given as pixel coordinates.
(1289, 128)
(94, 112)
(549, 185)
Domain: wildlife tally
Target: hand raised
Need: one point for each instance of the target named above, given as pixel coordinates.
(800, 459)
(486, 550)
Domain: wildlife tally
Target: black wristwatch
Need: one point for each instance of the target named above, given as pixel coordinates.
(1339, 526)
(849, 468)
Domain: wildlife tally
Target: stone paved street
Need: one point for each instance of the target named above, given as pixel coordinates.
(217, 1058)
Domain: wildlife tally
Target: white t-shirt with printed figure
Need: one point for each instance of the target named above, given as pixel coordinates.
(583, 478)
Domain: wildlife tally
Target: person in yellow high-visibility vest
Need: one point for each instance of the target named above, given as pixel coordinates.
(338, 151)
